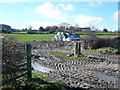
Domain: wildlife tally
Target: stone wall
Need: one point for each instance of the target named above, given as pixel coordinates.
(49, 44)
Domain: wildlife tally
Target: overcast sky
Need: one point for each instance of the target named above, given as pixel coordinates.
(23, 13)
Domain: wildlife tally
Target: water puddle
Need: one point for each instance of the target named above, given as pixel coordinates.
(42, 58)
(39, 57)
(107, 78)
(39, 67)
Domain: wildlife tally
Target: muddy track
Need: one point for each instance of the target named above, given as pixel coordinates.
(76, 73)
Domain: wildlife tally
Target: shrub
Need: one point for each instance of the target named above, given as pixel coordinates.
(10, 56)
(94, 42)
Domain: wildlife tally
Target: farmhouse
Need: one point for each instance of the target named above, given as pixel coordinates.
(5, 28)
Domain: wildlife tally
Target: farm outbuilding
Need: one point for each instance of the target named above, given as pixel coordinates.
(5, 28)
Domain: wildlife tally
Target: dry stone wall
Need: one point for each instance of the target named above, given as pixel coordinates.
(49, 44)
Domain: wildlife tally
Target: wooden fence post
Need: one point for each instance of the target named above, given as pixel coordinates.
(77, 48)
(28, 52)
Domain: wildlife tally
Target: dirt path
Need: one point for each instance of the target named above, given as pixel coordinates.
(78, 73)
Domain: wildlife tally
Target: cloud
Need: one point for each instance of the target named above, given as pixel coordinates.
(84, 20)
(11, 1)
(115, 16)
(95, 4)
(51, 11)
(91, 4)
(66, 7)
(8, 1)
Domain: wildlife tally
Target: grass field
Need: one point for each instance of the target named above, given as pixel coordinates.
(105, 33)
(36, 37)
(20, 32)
(102, 36)
(46, 37)
(102, 33)
(32, 37)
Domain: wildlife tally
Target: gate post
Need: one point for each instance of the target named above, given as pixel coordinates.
(28, 52)
(77, 48)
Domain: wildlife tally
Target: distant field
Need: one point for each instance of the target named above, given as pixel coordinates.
(99, 33)
(32, 37)
(106, 33)
(103, 33)
(44, 37)
(20, 32)
(102, 36)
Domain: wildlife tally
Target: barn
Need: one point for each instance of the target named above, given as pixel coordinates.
(5, 28)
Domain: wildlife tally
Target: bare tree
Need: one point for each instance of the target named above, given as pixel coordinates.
(61, 29)
(72, 29)
(30, 27)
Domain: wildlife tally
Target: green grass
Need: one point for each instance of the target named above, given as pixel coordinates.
(42, 83)
(102, 36)
(39, 82)
(103, 33)
(108, 33)
(64, 56)
(105, 49)
(32, 37)
(108, 49)
(25, 32)
(44, 37)
(83, 36)
(36, 37)
(44, 78)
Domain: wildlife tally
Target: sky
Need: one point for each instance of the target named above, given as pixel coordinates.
(21, 14)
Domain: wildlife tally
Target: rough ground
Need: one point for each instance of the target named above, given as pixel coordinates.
(77, 73)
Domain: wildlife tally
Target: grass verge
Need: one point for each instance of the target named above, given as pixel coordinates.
(105, 50)
(38, 82)
(65, 56)
(42, 83)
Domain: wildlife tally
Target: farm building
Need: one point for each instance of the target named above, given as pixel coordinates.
(5, 28)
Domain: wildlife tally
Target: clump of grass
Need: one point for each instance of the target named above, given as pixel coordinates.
(44, 78)
(108, 50)
(45, 84)
(105, 50)
(67, 49)
(38, 82)
(41, 82)
(65, 56)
